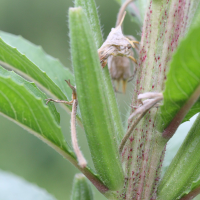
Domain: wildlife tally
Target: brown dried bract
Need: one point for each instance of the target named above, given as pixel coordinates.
(116, 44)
(74, 102)
(152, 100)
(120, 70)
(117, 52)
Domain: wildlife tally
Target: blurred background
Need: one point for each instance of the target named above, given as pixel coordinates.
(45, 23)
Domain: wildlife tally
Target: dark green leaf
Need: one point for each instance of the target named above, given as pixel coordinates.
(23, 103)
(31, 62)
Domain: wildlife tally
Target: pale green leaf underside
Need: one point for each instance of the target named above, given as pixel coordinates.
(34, 64)
(183, 78)
(13, 187)
(23, 103)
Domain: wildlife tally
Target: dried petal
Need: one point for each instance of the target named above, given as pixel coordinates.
(116, 44)
(119, 68)
(116, 51)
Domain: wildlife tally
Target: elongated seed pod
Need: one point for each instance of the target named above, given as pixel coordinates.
(89, 7)
(91, 96)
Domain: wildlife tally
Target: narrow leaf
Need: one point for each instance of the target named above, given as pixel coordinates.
(91, 96)
(183, 81)
(92, 17)
(183, 174)
(81, 188)
(13, 187)
(31, 62)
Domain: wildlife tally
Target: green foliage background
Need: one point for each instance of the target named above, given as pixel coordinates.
(45, 23)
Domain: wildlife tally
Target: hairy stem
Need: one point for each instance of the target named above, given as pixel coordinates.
(144, 151)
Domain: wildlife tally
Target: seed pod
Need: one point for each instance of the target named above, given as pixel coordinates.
(90, 10)
(95, 110)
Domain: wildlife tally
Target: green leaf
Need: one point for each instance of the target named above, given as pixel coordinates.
(13, 187)
(183, 81)
(81, 188)
(23, 103)
(92, 17)
(31, 62)
(94, 109)
(13, 56)
(183, 174)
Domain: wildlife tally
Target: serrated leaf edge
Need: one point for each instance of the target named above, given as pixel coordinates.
(66, 152)
(7, 66)
(46, 107)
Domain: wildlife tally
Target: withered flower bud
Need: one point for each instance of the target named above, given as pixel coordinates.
(117, 52)
(119, 68)
(116, 44)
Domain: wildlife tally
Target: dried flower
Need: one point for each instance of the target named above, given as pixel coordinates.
(117, 52)
(116, 44)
